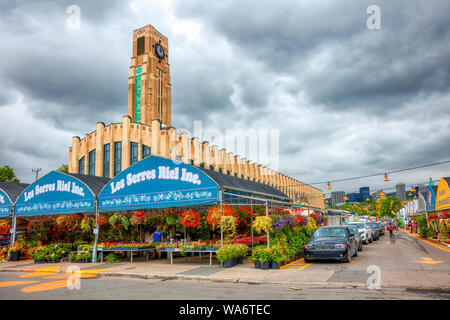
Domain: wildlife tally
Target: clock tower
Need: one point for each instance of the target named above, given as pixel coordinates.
(149, 81)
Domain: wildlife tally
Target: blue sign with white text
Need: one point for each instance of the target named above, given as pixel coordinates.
(5, 204)
(55, 193)
(431, 199)
(157, 182)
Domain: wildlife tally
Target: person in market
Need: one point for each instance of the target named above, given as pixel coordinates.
(391, 229)
(157, 236)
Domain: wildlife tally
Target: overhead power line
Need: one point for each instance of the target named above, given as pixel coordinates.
(380, 174)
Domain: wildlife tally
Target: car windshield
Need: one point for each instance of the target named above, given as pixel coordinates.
(359, 225)
(353, 228)
(330, 232)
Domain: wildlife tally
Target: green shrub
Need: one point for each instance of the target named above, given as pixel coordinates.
(112, 258)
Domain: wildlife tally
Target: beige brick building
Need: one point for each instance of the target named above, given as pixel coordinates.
(146, 130)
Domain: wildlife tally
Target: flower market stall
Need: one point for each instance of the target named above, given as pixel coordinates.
(9, 191)
(197, 210)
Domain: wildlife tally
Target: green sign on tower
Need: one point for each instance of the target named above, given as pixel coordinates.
(137, 99)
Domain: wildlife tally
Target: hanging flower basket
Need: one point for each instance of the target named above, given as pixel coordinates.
(190, 219)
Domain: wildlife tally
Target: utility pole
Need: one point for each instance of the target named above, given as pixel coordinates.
(37, 172)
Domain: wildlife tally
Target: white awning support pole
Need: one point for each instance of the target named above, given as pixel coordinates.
(94, 251)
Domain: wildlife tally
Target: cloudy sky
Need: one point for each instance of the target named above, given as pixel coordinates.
(346, 100)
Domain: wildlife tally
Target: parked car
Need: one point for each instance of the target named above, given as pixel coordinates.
(358, 237)
(364, 230)
(381, 227)
(375, 230)
(332, 242)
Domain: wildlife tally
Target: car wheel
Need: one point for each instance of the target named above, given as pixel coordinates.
(365, 242)
(348, 258)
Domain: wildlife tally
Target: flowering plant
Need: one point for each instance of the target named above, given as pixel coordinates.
(228, 225)
(300, 220)
(248, 240)
(190, 218)
(243, 215)
(280, 222)
(262, 224)
(137, 218)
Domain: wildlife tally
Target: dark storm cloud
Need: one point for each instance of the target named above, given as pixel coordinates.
(381, 69)
(63, 74)
(346, 100)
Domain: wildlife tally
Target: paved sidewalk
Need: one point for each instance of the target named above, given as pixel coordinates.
(404, 262)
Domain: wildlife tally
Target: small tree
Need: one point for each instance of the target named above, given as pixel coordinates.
(388, 206)
(7, 174)
(64, 168)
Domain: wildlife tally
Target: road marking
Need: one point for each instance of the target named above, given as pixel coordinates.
(305, 266)
(16, 283)
(430, 243)
(429, 261)
(287, 265)
(87, 273)
(350, 262)
(48, 286)
(41, 272)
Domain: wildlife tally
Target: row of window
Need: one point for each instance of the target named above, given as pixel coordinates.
(117, 163)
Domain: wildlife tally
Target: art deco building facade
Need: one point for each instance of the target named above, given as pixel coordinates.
(146, 130)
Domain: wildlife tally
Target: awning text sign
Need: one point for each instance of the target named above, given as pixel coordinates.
(157, 182)
(55, 193)
(5, 204)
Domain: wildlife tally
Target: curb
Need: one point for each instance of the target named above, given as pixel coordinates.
(238, 280)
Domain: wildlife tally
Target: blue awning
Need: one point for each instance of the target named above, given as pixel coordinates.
(56, 193)
(9, 191)
(157, 182)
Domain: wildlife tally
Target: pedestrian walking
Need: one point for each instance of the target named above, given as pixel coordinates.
(391, 228)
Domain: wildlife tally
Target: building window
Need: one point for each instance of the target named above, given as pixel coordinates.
(133, 153)
(81, 166)
(106, 159)
(140, 45)
(160, 94)
(117, 157)
(146, 151)
(91, 170)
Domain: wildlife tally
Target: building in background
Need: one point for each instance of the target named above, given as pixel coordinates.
(364, 193)
(400, 191)
(376, 196)
(337, 197)
(147, 130)
(354, 197)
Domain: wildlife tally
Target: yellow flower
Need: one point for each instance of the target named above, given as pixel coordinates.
(53, 255)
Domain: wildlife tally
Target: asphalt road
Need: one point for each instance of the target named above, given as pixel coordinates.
(403, 261)
(137, 289)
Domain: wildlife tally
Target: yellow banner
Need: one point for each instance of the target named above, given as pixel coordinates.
(442, 196)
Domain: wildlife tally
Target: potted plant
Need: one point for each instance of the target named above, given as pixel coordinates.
(228, 255)
(264, 258)
(242, 250)
(14, 253)
(277, 256)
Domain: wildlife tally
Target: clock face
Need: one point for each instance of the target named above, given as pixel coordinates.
(159, 51)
